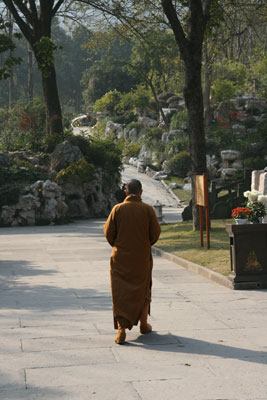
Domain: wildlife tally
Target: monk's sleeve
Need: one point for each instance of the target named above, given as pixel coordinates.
(110, 228)
(154, 228)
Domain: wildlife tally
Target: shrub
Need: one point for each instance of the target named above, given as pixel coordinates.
(108, 102)
(101, 153)
(180, 164)
(19, 172)
(222, 89)
(179, 120)
(78, 172)
(131, 149)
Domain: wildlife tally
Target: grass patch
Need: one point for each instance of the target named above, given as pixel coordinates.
(183, 195)
(181, 240)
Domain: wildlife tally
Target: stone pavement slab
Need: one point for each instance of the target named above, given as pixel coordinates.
(56, 329)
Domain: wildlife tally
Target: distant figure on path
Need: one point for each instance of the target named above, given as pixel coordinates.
(131, 229)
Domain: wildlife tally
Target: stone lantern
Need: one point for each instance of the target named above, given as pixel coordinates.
(158, 210)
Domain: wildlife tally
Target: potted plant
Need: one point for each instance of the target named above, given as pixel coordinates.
(257, 204)
(240, 214)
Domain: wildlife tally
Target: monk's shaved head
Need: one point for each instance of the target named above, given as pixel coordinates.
(134, 186)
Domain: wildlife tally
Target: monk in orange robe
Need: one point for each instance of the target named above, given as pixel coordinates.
(131, 229)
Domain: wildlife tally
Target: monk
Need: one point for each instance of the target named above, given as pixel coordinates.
(131, 229)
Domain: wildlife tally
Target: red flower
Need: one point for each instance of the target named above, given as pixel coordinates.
(240, 212)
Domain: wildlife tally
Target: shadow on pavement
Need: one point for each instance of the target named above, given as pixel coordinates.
(15, 294)
(179, 344)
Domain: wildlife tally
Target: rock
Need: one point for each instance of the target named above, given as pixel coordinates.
(239, 131)
(174, 99)
(150, 172)
(230, 155)
(168, 112)
(175, 185)
(187, 186)
(26, 218)
(133, 134)
(50, 210)
(113, 128)
(28, 202)
(165, 96)
(78, 209)
(147, 122)
(141, 166)
(64, 154)
(51, 189)
(238, 164)
(161, 175)
(165, 167)
(7, 215)
(37, 188)
(229, 173)
(72, 189)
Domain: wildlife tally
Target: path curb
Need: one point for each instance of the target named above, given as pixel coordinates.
(199, 269)
(169, 190)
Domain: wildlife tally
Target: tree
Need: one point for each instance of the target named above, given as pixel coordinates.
(34, 19)
(7, 47)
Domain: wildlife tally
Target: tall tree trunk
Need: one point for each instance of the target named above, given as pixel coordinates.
(30, 74)
(206, 90)
(194, 103)
(52, 103)
(11, 75)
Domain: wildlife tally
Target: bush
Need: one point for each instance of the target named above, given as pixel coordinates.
(222, 89)
(180, 164)
(101, 153)
(19, 172)
(77, 172)
(23, 126)
(131, 149)
(254, 163)
(179, 120)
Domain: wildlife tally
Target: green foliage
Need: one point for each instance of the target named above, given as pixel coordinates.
(260, 73)
(78, 172)
(178, 143)
(131, 149)
(179, 120)
(22, 126)
(44, 50)
(152, 139)
(20, 171)
(254, 163)
(180, 164)
(223, 89)
(108, 102)
(101, 153)
(6, 44)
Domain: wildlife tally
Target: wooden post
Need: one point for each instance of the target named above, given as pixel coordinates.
(202, 200)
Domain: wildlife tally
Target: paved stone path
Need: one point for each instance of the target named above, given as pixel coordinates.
(56, 328)
(154, 190)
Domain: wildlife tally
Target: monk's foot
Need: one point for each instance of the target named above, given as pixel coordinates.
(145, 328)
(121, 336)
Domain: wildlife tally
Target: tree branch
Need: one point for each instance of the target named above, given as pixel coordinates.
(25, 29)
(170, 13)
(57, 7)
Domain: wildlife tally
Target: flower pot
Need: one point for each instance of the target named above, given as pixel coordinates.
(241, 221)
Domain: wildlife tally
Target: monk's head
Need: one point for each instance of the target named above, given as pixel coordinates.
(133, 187)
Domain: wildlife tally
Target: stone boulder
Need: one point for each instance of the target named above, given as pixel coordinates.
(113, 128)
(63, 155)
(239, 131)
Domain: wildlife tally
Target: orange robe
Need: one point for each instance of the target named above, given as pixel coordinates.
(131, 229)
